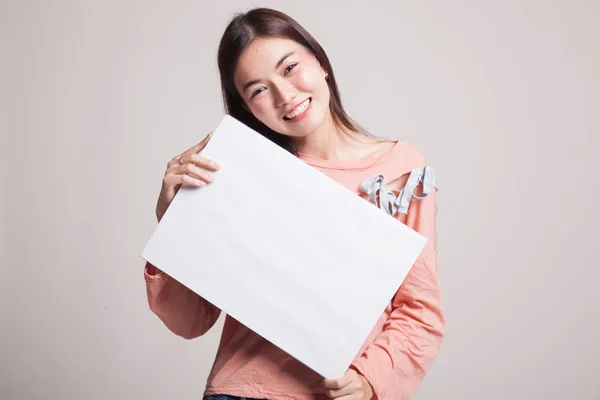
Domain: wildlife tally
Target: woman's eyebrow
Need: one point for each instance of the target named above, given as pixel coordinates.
(255, 81)
(283, 59)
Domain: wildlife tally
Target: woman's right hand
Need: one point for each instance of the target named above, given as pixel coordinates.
(187, 168)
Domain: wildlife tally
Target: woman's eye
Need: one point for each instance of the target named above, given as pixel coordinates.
(257, 91)
(289, 68)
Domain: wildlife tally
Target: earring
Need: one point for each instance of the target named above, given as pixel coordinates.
(326, 75)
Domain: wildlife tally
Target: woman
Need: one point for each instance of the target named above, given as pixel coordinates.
(278, 80)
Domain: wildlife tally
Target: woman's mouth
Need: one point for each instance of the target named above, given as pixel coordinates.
(300, 112)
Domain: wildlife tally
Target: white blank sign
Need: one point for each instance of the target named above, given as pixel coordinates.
(284, 249)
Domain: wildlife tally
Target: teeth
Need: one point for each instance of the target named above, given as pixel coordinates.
(299, 110)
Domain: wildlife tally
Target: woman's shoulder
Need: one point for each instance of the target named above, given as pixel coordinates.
(413, 162)
(404, 157)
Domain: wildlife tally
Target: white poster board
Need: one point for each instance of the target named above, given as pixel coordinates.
(284, 249)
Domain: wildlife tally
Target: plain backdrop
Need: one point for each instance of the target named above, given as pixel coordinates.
(503, 97)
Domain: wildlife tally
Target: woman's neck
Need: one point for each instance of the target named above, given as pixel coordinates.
(331, 142)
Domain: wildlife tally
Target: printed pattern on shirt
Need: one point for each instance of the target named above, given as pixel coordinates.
(390, 203)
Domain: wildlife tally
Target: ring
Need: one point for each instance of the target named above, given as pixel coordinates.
(180, 159)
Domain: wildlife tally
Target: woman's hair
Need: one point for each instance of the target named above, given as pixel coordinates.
(264, 23)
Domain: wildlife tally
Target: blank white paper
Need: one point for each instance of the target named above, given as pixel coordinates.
(284, 249)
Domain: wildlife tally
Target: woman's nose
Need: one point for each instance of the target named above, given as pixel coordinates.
(285, 93)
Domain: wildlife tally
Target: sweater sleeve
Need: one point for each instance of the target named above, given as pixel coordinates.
(183, 311)
(397, 360)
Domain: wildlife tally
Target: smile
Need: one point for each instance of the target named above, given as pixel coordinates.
(299, 111)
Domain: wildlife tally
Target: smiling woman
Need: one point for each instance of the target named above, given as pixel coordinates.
(270, 65)
(277, 79)
(285, 94)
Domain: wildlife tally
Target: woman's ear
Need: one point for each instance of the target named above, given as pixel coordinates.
(323, 70)
(325, 73)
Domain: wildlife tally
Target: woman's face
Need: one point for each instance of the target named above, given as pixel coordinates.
(283, 85)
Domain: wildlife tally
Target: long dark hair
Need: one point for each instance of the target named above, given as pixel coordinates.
(243, 29)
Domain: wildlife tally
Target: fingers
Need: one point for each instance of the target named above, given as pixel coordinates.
(191, 155)
(192, 170)
(339, 383)
(196, 159)
(198, 148)
(203, 162)
(190, 167)
(179, 179)
(343, 387)
(336, 394)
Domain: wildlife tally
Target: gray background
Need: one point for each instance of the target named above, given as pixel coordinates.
(503, 97)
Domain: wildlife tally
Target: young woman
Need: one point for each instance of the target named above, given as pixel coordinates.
(278, 80)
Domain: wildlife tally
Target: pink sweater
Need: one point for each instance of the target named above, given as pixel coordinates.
(396, 355)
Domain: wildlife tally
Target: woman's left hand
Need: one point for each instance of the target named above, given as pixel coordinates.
(351, 386)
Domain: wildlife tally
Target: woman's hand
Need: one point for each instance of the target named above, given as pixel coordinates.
(351, 386)
(189, 168)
